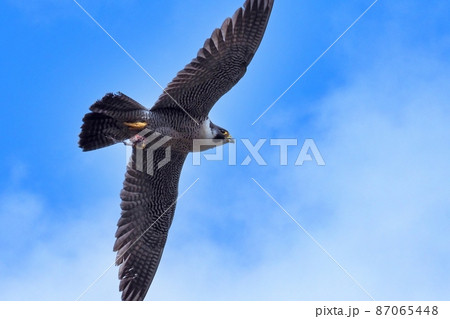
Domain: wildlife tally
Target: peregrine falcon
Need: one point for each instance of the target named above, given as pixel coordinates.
(180, 115)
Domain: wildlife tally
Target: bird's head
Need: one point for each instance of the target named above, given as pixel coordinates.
(221, 134)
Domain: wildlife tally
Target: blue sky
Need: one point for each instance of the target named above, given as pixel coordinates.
(376, 106)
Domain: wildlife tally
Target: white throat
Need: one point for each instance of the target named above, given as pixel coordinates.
(205, 131)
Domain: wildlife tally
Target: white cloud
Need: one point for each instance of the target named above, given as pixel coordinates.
(53, 260)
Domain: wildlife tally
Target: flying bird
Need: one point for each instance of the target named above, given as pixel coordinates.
(162, 137)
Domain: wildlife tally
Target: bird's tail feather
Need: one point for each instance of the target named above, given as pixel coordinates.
(113, 119)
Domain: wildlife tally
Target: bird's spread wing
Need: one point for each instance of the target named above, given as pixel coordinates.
(220, 64)
(148, 205)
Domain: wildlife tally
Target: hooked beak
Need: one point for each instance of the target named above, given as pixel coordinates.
(229, 138)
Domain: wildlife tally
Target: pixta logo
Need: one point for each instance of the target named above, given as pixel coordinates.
(152, 151)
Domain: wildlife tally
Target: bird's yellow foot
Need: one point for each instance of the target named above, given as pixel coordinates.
(136, 125)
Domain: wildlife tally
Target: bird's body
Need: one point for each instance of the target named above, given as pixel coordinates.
(178, 118)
